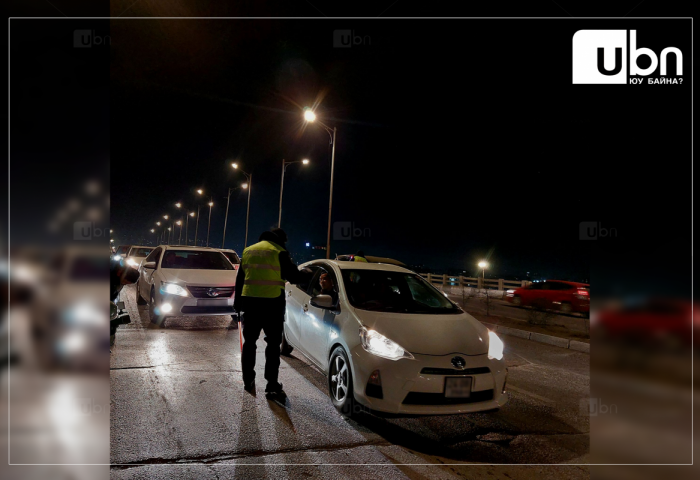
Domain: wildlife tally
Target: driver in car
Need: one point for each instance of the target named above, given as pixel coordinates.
(327, 287)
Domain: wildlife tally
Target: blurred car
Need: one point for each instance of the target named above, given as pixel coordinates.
(566, 297)
(177, 281)
(136, 254)
(232, 256)
(390, 341)
(122, 250)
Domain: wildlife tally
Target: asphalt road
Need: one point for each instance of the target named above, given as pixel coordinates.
(178, 409)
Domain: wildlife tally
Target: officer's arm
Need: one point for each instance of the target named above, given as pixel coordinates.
(289, 271)
(240, 280)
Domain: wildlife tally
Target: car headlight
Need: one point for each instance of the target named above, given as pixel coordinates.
(132, 263)
(495, 346)
(173, 289)
(377, 344)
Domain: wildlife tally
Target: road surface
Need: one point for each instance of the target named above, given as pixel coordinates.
(178, 409)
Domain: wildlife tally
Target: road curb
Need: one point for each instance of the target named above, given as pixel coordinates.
(541, 338)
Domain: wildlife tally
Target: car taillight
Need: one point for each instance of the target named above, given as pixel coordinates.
(582, 292)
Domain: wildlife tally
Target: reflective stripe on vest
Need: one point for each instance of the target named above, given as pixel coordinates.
(261, 266)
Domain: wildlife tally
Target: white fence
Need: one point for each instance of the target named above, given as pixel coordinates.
(453, 282)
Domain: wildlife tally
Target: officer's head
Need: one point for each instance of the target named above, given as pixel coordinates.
(360, 253)
(280, 234)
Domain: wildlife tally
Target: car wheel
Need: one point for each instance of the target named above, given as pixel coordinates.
(516, 300)
(139, 299)
(340, 382)
(157, 319)
(285, 349)
(565, 307)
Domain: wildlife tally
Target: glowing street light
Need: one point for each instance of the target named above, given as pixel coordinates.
(310, 117)
(211, 204)
(483, 265)
(248, 177)
(228, 199)
(284, 168)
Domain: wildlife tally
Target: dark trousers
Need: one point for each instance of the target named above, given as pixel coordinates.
(262, 314)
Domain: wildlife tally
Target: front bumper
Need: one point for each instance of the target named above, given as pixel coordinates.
(408, 389)
(191, 306)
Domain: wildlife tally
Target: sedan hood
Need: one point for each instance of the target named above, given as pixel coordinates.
(430, 334)
(209, 278)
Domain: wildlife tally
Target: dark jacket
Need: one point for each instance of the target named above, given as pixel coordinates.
(288, 270)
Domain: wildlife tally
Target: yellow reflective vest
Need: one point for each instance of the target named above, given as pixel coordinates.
(360, 259)
(261, 266)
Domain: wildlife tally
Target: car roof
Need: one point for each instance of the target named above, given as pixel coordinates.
(226, 250)
(343, 265)
(188, 247)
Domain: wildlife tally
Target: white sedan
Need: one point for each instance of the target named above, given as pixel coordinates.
(390, 341)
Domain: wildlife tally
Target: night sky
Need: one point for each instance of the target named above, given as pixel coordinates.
(457, 140)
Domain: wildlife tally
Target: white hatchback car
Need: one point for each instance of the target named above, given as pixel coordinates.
(136, 254)
(392, 342)
(177, 281)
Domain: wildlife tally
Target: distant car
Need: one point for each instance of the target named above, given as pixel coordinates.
(232, 256)
(122, 250)
(136, 254)
(567, 297)
(390, 341)
(371, 259)
(178, 281)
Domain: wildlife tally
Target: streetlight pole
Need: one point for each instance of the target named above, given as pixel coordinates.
(196, 230)
(187, 228)
(310, 117)
(179, 239)
(249, 177)
(211, 203)
(284, 168)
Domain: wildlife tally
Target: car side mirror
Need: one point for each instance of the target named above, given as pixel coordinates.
(151, 265)
(322, 301)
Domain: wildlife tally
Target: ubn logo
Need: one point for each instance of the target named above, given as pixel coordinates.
(347, 38)
(594, 231)
(87, 38)
(600, 56)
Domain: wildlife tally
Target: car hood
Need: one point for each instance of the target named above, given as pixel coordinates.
(430, 334)
(210, 278)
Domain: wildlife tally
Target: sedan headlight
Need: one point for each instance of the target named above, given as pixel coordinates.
(377, 344)
(495, 346)
(133, 263)
(173, 289)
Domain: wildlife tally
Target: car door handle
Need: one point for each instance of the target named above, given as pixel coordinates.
(306, 307)
(289, 293)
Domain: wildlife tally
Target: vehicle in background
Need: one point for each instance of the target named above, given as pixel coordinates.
(122, 250)
(232, 256)
(136, 254)
(371, 259)
(391, 342)
(566, 297)
(178, 281)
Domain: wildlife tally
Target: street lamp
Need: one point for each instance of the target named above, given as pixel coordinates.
(310, 117)
(211, 204)
(179, 239)
(187, 228)
(483, 265)
(228, 199)
(196, 230)
(249, 177)
(284, 168)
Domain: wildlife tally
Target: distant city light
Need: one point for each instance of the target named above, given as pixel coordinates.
(308, 244)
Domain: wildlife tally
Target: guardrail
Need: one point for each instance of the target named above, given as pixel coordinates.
(445, 280)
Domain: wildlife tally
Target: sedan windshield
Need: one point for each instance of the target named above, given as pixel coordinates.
(195, 260)
(386, 291)
(140, 252)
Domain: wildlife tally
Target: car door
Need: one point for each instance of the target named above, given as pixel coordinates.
(316, 322)
(528, 293)
(296, 297)
(146, 277)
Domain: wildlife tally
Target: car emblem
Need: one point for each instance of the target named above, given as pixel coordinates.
(212, 292)
(458, 362)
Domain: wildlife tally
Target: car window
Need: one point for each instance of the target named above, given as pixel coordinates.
(140, 252)
(325, 276)
(560, 286)
(536, 286)
(388, 291)
(154, 256)
(195, 260)
(233, 257)
(123, 249)
(304, 285)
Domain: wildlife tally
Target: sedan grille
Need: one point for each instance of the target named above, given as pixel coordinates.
(211, 292)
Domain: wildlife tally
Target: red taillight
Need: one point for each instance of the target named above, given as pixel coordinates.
(582, 292)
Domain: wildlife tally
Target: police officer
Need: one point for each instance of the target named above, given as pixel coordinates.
(360, 256)
(260, 298)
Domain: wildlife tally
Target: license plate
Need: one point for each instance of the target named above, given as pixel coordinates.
(458, 387)
(209, 302)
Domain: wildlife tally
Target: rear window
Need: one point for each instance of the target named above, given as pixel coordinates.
(233, 257)
(123, 249)
(195, 260)
(140, 252)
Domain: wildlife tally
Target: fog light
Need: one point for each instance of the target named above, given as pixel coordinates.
(374, 386)
(166, 307)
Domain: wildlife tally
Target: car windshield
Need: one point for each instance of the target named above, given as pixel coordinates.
(140, 252)
(123, 249)
(386, 291)
(195, 260)
(233, 257)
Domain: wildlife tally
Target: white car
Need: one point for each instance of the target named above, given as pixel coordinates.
(390, 341)
(136, 254)
(232, 256)
(177, 281)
